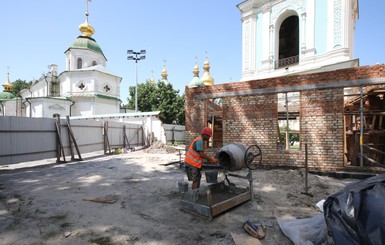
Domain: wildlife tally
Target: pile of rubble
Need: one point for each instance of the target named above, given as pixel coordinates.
(161, 148)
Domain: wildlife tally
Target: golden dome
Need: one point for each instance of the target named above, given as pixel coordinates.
(86, 29)
(164, 73)
(8, 86)
(206, 78)
(196, 71)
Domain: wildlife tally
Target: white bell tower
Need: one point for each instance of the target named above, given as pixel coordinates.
(283, 37)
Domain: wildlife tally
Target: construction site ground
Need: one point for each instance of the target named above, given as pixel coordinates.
(134, 198)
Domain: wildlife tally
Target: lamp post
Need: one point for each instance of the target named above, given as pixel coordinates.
(136, 56)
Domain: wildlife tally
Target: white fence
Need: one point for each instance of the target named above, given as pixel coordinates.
(28, 139)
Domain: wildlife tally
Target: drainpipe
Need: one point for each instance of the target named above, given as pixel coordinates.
(23, 108)
(30, 104)
(73, 102)
(45, 78)
(30, 107)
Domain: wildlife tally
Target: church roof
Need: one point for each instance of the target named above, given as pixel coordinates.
(99, 68)
(84, 42)
(196, 81)
(6, 96)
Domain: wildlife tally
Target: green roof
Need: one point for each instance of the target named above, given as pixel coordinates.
(87, 43)
(195, 82)
(6, 96)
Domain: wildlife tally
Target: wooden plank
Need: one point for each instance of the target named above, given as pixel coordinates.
(242, 239)
(73, 140)
(60, 150)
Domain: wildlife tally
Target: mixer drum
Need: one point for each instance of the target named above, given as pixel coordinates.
(232, 156)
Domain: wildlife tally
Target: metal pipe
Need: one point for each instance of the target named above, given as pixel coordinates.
(287, 123)
(306, 168)
(361, 128)
(251, 185)
(136, 87)
(45, 78)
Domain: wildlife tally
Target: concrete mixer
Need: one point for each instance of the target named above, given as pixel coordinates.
(216, 198)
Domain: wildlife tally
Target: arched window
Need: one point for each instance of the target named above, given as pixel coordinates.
(288, 42)
(79, 63)
(94, 63)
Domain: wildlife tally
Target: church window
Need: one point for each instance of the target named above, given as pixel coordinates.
(288, 51)
(81, 86)
(289, 121)
(94, 63)
(106, 88)
(79, 63)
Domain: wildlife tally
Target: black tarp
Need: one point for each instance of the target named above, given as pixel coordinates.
(356, 215)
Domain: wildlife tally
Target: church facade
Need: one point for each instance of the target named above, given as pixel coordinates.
(296, 36)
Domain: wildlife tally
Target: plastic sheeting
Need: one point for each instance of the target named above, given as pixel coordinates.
(356, 215)
(309, 231)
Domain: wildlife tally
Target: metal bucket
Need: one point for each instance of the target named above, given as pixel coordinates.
(182, 186)
(232, 156)
(211, 176)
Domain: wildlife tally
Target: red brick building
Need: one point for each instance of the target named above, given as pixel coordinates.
(249, 113)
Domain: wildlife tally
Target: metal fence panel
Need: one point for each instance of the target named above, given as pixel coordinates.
(25, 139)
(88, 135)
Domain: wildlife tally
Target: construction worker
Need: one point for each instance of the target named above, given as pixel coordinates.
(195, 155)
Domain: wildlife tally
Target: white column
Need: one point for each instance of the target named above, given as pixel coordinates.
(271, 42)
(246, 45)
(253, 42)
(303, 32)
(310, 23)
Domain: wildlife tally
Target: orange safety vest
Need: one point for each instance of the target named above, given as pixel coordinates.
(192, 157)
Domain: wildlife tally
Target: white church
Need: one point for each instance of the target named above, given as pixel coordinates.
(85, 88)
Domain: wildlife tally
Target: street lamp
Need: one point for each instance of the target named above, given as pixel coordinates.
(136, 56)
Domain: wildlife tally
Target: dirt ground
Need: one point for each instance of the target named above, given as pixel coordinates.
(133, 198)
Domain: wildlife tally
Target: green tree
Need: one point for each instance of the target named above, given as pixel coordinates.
(294, 137)
(160, 97)
(19, 85)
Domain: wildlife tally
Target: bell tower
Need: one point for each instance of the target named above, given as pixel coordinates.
(282, 37)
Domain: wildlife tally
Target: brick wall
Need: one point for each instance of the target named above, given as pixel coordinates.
(250, 114)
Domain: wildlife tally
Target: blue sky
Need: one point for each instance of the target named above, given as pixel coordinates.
(35, 34)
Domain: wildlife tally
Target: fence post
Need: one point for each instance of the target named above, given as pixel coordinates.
(173, 135)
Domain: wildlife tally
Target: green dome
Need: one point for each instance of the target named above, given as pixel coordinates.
(6, 96)
(195, 82)
(87, 43)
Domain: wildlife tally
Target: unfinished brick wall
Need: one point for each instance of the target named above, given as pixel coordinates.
(322, 126)
(250, 114)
